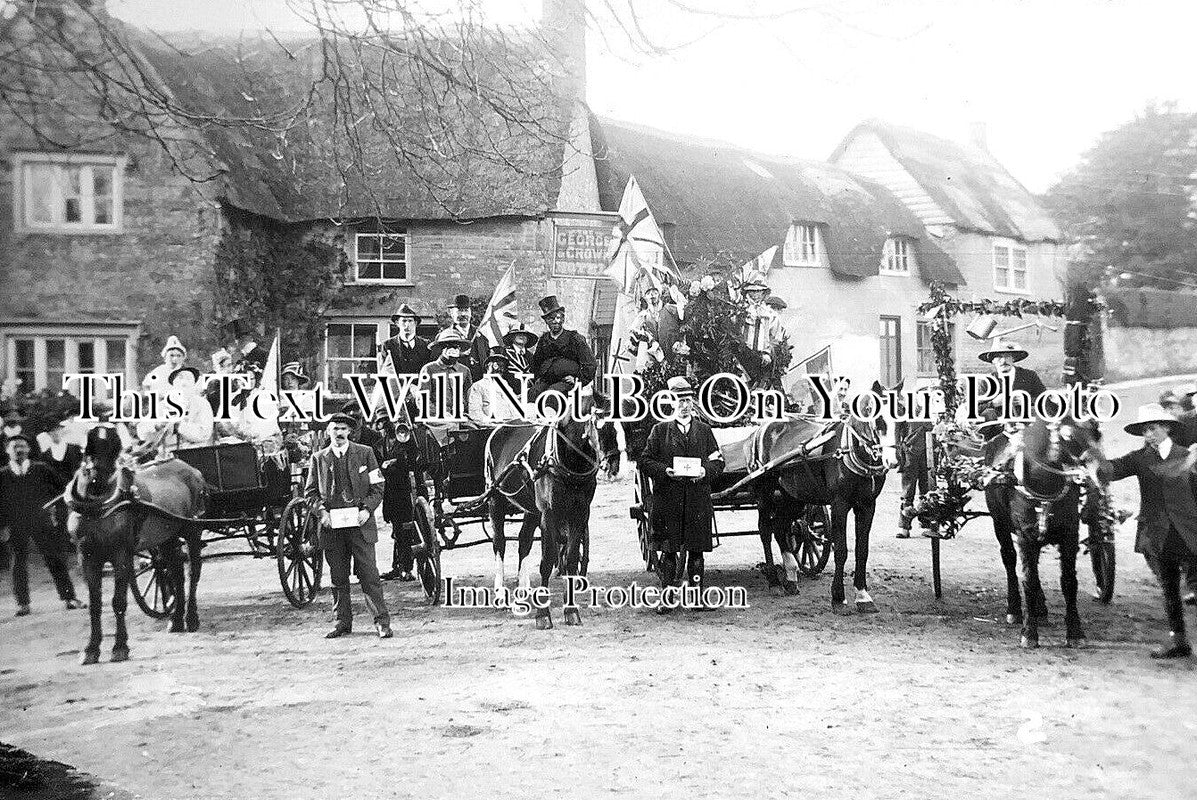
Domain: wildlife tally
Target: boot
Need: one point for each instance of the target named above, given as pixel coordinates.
(1176, 647)
(394, 571)
(697, 572)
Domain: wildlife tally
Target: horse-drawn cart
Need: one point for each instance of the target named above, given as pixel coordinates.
(251, 499)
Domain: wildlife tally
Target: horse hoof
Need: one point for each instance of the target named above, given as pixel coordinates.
(1014, 619)
(1074, 642)
(1029, 642)
(573, 618)
(867, 607)
(193, 625)
(120, 654)
(89, 657)
(790, 587)
(544, 623)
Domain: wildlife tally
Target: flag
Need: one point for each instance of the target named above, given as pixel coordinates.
(270, 379)
(817, 363)
(637, 252)
(757, 267)
(501, 314)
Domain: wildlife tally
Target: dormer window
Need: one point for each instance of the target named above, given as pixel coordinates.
(69, 193)
(1010, 266)
(898, 256)
(802, 246)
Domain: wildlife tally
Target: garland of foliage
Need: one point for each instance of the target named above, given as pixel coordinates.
(271, 275)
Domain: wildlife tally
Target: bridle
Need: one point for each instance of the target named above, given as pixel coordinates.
(551, 463)
(1042, 503)
(852, 443)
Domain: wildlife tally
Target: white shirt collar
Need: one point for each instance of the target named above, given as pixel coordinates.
(341, 452)
(19, 469)
(1165, 448)
(57, 449)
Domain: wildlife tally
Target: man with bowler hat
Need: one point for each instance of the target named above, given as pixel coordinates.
(344, 478)
(461, 321)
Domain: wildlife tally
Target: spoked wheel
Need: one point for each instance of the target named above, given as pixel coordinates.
(812, 545)
(644, 529)
(298, 567)
(151, 584)
(427, 552)
(1101, 555)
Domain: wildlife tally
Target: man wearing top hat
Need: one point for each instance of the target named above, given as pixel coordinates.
(473, 355)
(681, 512)
(1003, 357)
(1167, 534)
(344, 478)
(407, 351)
(25, 486)
(562, 358)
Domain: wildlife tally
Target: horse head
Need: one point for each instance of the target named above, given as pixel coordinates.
(101, 482)
(1056, 453)
(885, 426)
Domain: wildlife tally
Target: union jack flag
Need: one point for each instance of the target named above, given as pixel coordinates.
(502, 314)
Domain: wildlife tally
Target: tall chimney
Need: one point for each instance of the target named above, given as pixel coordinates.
(979, 135)
(564, 25)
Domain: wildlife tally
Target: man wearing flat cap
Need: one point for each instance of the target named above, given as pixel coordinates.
(344, 478)
(1167, 534)
(682, 514)
(562, 359)
(407, 351)
(25, 486)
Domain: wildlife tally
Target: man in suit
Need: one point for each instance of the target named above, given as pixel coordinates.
(562, 359)
(25, 486)
(407, 351)
(1003, 357)
(660, 320)
(345, 479)
(14, 425)
(461, 322)
(1167, 533)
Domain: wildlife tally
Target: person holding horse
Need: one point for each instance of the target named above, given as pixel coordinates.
(682, 512)
(25, 487)
(345, 480)
(1167, 534)
(563, 358)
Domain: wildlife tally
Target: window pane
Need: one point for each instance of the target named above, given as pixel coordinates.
(337, 369)
(394, 271)
(87, 356)
(101, 181)
(72, 194)
(363, 341)
(116, 355)
(24, 364)
(1001, 256)
(368, 247)
(55, 363)
(339, 341)
(394, 248)
(1020, 259)
(40, 178)
(1020, 280)
(1001, 277)
(369, 270)
(103, 209)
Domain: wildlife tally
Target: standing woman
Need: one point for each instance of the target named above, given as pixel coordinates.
(1167, 534)
(682, 513)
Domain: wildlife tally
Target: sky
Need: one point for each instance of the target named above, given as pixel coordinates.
(1046, 77)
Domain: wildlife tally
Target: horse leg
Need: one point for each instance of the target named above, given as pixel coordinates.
(195, 564)
(1003, 531)
(171, 554)
(526, 539)
(498, 520)
(839, 538)
(862, 522)
(550, 528)
(765, 515)
(789, 561)
(573, 615)
(584, 539)
(123, 572)
(1028, 553)
(93, 575)
(1074, 632)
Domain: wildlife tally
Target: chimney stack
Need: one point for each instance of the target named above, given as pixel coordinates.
(979, 136)
(563, 23)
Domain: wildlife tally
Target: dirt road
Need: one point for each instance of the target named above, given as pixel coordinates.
(924, 699)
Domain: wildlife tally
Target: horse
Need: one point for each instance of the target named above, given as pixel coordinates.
(548, 472)
(845, 469)
(115, 512)
(1051, 462)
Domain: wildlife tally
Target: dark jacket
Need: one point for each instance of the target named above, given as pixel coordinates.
(1185, 433)
(258, 357)
(681, 511)
(406, 360)
(568, 354)
(365, 490)
(22, 497)
(1165, 495)
(68, 466)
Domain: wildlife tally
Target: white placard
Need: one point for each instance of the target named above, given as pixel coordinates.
(343, 517)
(684, 467)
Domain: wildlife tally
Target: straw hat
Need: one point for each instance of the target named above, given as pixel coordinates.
(1152, 413)
(680, 386)
(1001, 348)
(447, 338)
(518, 330)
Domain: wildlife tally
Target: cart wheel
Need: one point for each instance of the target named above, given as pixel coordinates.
(644, 527)
(151, 586)
(813, 547)
(1101, 555)
(298, 571)
(428, 552)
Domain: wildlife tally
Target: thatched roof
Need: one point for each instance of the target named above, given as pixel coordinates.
(438, 152)
(727, 205)
(967, 183)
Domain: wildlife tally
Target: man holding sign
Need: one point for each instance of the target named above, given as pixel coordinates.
(345, 479)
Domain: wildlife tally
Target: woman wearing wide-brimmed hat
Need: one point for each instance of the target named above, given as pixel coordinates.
(520, 342)
(1167, 534)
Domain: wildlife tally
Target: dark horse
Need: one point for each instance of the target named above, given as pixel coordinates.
(1051, 462)
(844, 466)
(548, 472)
(115, 512)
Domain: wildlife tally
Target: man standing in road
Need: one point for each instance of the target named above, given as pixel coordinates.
(345, 479)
